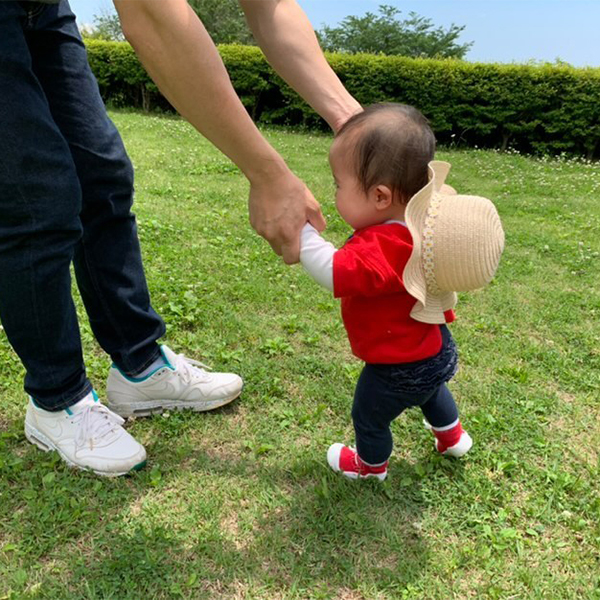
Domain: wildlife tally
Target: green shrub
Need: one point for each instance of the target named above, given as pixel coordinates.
(533, 108)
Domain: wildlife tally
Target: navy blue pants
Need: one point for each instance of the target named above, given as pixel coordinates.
(384, 391)
(66, 190)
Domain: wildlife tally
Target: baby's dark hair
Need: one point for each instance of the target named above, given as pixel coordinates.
(393, 145)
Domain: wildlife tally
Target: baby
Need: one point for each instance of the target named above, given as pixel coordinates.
(415, 243)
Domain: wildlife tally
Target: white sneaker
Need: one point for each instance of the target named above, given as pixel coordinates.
(87, 436)
(183, 383)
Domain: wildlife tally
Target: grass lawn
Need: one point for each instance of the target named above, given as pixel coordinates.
(239, 503)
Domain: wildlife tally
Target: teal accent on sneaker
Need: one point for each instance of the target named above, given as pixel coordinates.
(165, 357)
(167, 365)
(139, 466)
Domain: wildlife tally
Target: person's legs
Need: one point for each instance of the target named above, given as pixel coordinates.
(108, 263)
(376, 405)
(378, 400)
(40, 201)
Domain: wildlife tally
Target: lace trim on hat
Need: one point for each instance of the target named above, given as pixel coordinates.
(427, 243)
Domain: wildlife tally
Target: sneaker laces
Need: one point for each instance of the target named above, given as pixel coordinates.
(95, 422)
(355, 459)
(360, 466)
(192, 369)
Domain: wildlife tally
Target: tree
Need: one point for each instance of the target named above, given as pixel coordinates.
(106, 26)
(224, 20)
(386, 33)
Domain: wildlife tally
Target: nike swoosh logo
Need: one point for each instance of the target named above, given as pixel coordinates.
(167, 389)
(54, 429)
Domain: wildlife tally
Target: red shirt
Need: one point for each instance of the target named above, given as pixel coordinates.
(367, 276)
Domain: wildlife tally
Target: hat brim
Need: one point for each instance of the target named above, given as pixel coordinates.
(433, 311)
(429, 308)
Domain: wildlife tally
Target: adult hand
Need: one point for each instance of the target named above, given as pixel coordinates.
(279, 208)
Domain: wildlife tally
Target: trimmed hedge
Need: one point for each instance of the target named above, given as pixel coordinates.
(533, 108)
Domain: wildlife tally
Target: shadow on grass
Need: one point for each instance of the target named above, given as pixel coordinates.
(306, 532)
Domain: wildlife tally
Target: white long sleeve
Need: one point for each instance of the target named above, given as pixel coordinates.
(316, 256)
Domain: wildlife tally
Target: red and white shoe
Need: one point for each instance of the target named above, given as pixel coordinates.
(451, 440)
(346, 461)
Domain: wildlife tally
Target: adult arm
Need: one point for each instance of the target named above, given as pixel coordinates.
(288, 40)
(181, 58)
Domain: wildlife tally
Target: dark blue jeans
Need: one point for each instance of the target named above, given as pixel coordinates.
(384, 391)
(66, 189)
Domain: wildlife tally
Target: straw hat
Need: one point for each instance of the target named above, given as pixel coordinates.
(457, 243)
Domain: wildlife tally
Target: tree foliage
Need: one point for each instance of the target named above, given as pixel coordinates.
(224, 20)
(386, 33)
(545, 109)
(106, 27)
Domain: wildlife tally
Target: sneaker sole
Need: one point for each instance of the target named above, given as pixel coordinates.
(354, 476)
(146, 409)
(43, 443)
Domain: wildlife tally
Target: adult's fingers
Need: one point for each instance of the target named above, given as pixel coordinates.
(316, 219)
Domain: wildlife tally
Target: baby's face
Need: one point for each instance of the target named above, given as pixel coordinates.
(351, 201)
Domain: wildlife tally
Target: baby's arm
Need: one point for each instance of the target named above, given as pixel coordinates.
(316, 256)
(362, 267)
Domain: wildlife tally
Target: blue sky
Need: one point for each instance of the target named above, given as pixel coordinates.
(502, 30)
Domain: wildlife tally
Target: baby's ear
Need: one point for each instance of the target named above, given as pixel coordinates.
(383, 196)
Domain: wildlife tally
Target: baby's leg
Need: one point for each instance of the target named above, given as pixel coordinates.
(440, 409)
(375, 407)
(442, 414)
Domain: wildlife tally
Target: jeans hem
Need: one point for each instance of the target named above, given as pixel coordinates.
(64, 404)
